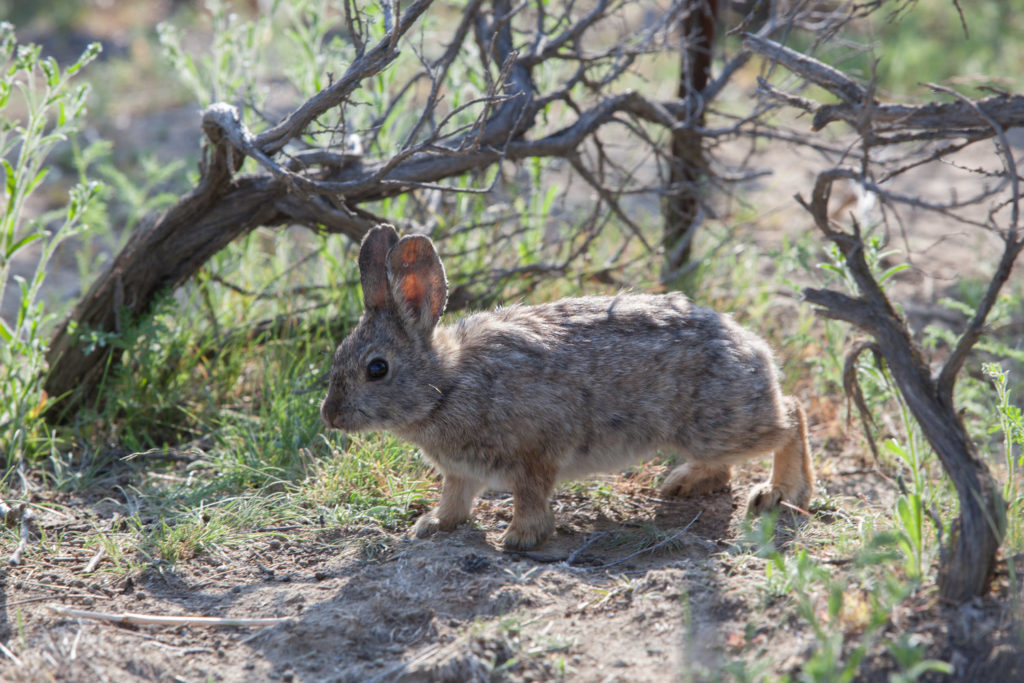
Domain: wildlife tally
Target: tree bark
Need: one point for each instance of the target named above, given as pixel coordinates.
(968, 564)
(161, 255)
(976, 534)
(688, 165)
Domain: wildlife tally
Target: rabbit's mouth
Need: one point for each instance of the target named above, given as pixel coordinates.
(349, 420)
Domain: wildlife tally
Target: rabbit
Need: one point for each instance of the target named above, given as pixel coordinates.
(525, 396)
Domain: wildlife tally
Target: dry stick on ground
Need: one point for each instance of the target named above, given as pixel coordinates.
(570, 559)
(968, 566)
(152, 620)
(101, 552)
(10, 655)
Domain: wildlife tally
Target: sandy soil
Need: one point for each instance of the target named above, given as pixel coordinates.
(630, 588)
(366, 604)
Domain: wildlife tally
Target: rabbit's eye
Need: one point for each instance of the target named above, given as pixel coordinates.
(377, 369)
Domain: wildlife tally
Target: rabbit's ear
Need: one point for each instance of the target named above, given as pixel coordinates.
(373, 256)
(418, 282)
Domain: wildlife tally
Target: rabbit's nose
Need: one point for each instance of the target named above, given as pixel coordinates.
(326, 413)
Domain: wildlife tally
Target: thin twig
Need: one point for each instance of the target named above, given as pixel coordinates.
(130, 618)
(10, 655)
(854, 393)
(54, 596)
(1012, 247)
(586, 544)
(367, 64)
(171, 454)
(652, 547)
(96, 559)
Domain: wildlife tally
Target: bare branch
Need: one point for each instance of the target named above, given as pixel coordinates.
(1011, 249)
(823, 75)
(368, 63)
(977, 533)
(609, 199)
(939, 119)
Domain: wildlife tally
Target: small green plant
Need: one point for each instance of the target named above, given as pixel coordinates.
(910, 657)
(232, 67)
(833, 608)
(1011, 425)
(879, 391)
(910, 507)
(40, 108)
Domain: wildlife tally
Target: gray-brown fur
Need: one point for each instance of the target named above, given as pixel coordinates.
(525, 396)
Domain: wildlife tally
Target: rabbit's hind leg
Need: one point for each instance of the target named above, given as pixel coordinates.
(792, 477)
(532, 519)
(457, 495)
(695, 478)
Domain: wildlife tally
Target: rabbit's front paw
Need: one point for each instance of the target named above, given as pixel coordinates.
(434, 521)
(426, 525)
(525, 535)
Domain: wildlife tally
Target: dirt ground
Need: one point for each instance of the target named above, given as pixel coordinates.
(365, 604)
(630, 588)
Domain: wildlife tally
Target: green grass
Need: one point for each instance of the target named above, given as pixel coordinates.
(909, 44)
(928, 43)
